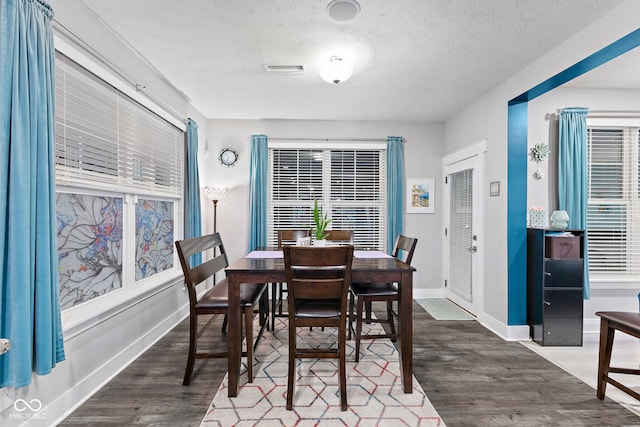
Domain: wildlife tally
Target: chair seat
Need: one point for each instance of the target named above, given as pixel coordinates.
(217, 298)
(317, 309)
(374, 289)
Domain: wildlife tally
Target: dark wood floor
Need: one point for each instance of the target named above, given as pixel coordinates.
(472, 377)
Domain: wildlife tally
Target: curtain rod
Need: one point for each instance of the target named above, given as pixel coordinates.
(120, 73)
(612, 113)
(332, 139)
(600, 113)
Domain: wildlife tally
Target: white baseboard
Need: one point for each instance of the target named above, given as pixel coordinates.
(506, 332)
(428, 293)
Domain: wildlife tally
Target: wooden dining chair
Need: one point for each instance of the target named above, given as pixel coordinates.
(285, 237)
(318, 281)
(341, 237)
(366, 293)
(215, 300)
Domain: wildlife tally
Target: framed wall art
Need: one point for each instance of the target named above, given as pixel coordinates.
(420, 195)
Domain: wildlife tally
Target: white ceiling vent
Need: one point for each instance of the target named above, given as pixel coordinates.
(284, 69)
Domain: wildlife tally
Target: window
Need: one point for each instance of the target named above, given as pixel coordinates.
(118, 179)
(349, 184)
(613, 214)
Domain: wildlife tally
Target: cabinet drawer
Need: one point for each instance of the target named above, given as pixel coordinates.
(562, 331)
(563, 273)
(562, 303)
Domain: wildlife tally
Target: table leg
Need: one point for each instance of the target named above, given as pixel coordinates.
(234, 335)
(405, 334)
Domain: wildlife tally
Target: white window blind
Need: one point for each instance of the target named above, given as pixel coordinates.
(350, 185)
(613, 214)
(461, 232)
(106, 140)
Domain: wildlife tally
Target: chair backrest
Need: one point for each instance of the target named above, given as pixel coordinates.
(318, 273)
(195, 275)
(407, 245)
(342, 236)
(290, 237)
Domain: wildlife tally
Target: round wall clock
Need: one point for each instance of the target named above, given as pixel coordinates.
(228, 157)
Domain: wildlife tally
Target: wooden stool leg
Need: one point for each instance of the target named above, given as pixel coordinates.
(604, 356)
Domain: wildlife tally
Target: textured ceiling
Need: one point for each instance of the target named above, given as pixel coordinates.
(414, 60)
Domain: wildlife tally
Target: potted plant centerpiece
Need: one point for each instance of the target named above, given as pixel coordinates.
(322, 221)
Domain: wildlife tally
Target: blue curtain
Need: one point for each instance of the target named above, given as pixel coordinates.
(29, 301)
(258, 164)
(193, 212)
(572, 174)
(395, 181)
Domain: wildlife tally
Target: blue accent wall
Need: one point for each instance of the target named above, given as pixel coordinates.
(517, 157)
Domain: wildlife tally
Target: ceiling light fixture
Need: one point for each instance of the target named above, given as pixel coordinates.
(336, 71)
(343, 10)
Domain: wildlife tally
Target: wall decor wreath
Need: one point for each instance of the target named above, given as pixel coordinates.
(539, 152)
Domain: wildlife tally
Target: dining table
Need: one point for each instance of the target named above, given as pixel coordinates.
(369, 266)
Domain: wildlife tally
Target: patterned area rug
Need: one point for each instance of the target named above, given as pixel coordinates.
(443, 309)
(374, 392)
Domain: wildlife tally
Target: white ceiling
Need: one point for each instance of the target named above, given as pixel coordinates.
(414, 60)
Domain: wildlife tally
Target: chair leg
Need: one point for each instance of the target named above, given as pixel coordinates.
(392, 325)
(280, 298)
(604, 356)
(343, 367)
(193, 333)
(248, 325)
(224, 324)
(359, 309)
(264, 310)
(274, 297)
(368, 311)
(292, 364)
(264, 300)
(350, 323)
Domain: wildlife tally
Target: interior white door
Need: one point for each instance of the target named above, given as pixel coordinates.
(462, 232)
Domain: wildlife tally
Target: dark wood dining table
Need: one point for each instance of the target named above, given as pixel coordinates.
(365, 269)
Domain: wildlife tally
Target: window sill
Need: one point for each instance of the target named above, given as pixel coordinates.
(613, 282)
(76, 320)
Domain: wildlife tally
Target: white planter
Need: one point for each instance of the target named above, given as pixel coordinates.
(322, 242)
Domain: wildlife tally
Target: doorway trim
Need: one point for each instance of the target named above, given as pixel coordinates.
(476, 150)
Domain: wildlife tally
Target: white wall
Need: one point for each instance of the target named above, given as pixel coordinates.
(423, 154)
(487, 118)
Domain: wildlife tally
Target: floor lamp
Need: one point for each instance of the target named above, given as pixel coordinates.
(215, 195)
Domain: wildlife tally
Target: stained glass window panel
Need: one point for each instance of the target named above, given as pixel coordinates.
(89, 246)
(154, 237)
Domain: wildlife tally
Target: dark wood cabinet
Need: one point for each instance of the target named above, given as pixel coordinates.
(555, 287)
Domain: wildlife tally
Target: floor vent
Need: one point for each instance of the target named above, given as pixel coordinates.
(284, 69)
